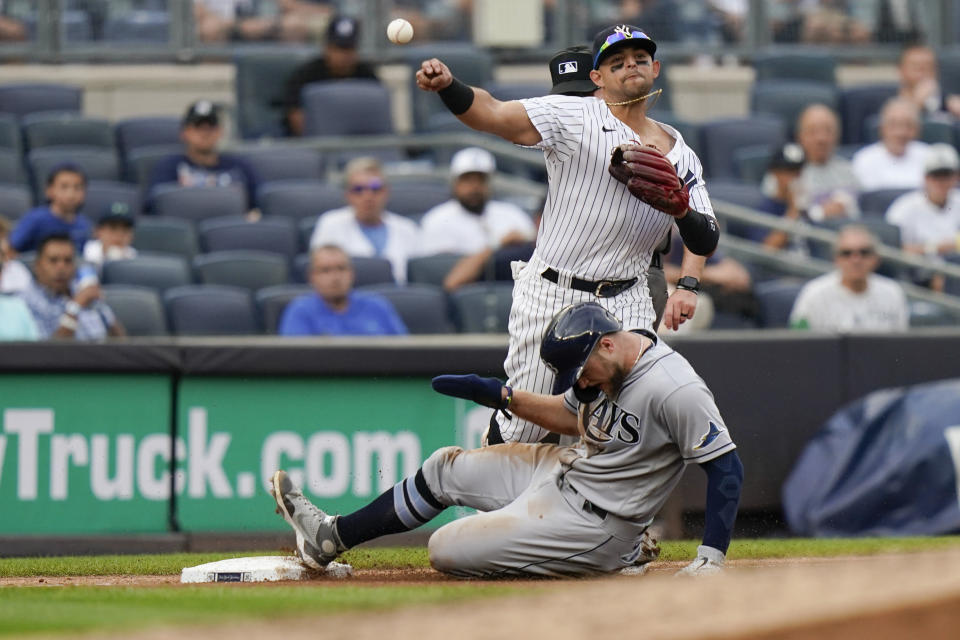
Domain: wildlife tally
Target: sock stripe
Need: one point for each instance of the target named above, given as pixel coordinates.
(409, 520)
(409, 502)
(421, 484)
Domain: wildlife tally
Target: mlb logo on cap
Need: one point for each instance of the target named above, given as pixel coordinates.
(568, 67)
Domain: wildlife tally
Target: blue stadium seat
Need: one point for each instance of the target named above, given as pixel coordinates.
(98, 163)
(273, 234)
(750, 163)
(720, 138)
(52, 129)
(431, 269)
(739, 193)
(874, 204)
(243, 268)
(859, 103)
(157, 234)
(787, 99)
(138, 27)
(156, 271)
(299, 198)
(260, 84)
(11, 168)
(776, 298)
(197, 203)
(423, 308)
(279, 163)
(139, 309)
(139, 162)
(415, 198)
(205, 310)
(21, 99)
(809, 66)
(949, 62)
(482, 307)
(135, 133)
(11, 138)
(104, 194)
(306, 227)
(272, 301)
(15, 200)
(471, 65)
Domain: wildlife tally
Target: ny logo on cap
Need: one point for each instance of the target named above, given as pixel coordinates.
(625, 30)
(568, 67)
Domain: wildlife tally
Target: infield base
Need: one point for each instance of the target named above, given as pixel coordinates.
(258, 569)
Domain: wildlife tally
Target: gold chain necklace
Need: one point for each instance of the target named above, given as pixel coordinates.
(633, 100)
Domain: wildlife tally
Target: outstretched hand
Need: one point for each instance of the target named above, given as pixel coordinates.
(486, 391)
(433, 75)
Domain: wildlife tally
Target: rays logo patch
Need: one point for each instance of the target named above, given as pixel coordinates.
(709, 436)
(568, 67)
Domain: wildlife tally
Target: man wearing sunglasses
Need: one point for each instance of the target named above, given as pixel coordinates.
(596, 238)
(852, 299)
(364, 228)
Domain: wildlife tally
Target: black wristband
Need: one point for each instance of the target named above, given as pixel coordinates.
(458, 97)
(700, 232)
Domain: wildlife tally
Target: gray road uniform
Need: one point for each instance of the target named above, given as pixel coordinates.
(578, 510)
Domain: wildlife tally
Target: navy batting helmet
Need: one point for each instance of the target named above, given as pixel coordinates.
(570, 339)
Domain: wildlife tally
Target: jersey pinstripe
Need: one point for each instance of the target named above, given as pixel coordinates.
(592, 228)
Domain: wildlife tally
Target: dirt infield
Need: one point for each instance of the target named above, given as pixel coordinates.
(878, 597)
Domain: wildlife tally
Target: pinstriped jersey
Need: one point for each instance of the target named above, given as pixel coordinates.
(638, 443)
(592, 226)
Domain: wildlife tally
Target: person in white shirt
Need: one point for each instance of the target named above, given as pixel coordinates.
(827, 178)
(364, 228)
(896, 160)
(471, 222)
(929, 218)
(112, 238)
(15, 276)
(852, 298)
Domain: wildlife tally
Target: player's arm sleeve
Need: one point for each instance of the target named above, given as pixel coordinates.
(559, 120)
(699, 229)
(724, 484)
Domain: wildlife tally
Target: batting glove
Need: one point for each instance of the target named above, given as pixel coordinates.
(708, 561)
(485, 391)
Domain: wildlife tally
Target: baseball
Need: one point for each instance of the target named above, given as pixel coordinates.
(399, 31)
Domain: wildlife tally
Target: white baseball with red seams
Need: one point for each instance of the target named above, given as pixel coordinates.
(399, 31)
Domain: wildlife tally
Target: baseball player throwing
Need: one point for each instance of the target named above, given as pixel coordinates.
(641, 413)
(604, 215)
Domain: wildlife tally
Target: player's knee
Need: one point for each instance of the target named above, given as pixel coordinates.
(439, 460)
(449, 554)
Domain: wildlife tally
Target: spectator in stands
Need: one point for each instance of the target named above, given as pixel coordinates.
(364, 227)
(65, 192)
(61, 307)
(852, 298)
(471, 221)
(243, 20)
(784, 195)
(817, 21)
(490, 264)
(112, 238)
(15, 277)
(920, 84)
(929, 218)
(201, 163)
(16, 321)
(896, 160)
(339, 61)
(11, 29)
(335, 308)
(828, 179)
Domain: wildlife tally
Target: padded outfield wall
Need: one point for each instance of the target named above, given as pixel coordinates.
(155, 436)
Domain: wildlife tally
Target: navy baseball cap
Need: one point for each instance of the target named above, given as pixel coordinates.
(343, 32)
(200, 112)
(613, 38)
(570, 72)
(789, 156)
(116, 212)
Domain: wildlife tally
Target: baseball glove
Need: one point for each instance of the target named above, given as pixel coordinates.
(650, 177)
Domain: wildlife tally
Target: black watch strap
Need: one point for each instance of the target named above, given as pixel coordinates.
(688, 283)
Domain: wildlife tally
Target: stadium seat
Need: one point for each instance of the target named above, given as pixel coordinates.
(139, 309)
(720, 138)
(139, 162)
(159, 272)
(859, 103)
(739, 193)
(104, 194)
(750, 163)
(507, 91)
(482, 307)
(11, 168)
(271, 302)
(422, 308)
(156, 234)
(138, 27)
(97, 163)
(21, 99)
(135, 133)
(469, 64)
(349, 108)
(786, 99)
(776, 298)
(367, 270)
(299, 199)
(51, 129)
(431, 269)
(11, 138)
(874, 204)
(949, 62)
(197, 203)
(306, 227)
(273, 234)
(15, 200)
(279, 163)
(248, 269)
(414, 198)
(205, 310)
(260, 84)
(808, 66)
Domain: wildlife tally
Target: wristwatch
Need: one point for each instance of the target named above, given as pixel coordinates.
(689, 283)
(72, 308)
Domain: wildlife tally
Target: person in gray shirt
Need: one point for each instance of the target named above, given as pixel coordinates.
(641, 413)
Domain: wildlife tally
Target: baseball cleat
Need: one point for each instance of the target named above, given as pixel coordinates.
(317, 541)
